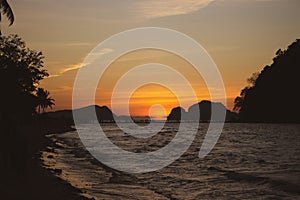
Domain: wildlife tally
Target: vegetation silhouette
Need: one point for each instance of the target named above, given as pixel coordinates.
(44, 100)
(6, 10)
(271, 95)
(22, 176)
(21, 70)
(22, 130)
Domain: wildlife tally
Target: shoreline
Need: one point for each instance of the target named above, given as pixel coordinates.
(104, 183)
(22, 171)
(101, 182)
(38, 181)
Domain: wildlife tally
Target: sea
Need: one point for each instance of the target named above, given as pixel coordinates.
(249, 161)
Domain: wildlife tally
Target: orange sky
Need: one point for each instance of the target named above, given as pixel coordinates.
(150, 94)
(144, 98)
(240, 36)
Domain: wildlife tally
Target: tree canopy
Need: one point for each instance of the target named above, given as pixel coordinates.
(21, 70)
(271, 95)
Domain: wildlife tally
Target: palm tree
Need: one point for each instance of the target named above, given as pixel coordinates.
(5, 9)
(44, 100)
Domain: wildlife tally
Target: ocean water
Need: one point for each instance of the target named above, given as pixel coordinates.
(250, 161)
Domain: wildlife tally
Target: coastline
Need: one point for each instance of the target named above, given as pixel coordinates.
(55, 140)
(254, 167)
(22, 171)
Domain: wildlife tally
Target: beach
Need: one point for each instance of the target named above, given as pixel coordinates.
(250, 161)
(22, 173)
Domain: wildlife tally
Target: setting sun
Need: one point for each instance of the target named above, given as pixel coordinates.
(145, 100)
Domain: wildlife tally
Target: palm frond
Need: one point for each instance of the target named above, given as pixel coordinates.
(6, 10)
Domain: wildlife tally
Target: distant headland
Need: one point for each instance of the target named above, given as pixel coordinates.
(105, 115)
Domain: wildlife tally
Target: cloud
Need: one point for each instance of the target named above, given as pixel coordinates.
(82, 64)
(103, 11)
(71, 67)
(163, 8)
(95, 55)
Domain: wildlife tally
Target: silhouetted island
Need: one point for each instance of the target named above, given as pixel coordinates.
(103, 113)
(204, 108)
(271, 95)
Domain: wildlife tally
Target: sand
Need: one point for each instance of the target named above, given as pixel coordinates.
(21, 170)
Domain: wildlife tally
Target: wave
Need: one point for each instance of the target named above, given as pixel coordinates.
(278, 184)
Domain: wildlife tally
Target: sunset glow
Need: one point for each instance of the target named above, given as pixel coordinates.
(241, 37)
(152, 94)
(145, 100)
(149, 99)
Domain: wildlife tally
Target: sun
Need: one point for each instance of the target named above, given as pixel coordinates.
(152, 100)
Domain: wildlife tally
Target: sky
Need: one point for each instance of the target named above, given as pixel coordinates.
(241, 36)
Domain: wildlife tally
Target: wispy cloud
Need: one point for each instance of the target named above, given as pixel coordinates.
(97, 54)
(93, 56)
(82, 64)
(104, 11)
(71, 67)
(163, 8)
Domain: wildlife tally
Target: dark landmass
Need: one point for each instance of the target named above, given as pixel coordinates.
(23, 128)
(204, 110)
(271, 95)
(175, 114)
(103, 113)
(21, 171)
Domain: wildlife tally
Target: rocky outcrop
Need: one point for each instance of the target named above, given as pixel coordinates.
(202, 111)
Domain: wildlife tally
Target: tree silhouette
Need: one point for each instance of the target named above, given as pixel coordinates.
(21, 69)
(5, 9)
(44, 100)
(271, 95)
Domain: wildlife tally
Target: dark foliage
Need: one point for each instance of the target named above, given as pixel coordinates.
(272, 94)
(21, 69)
(43, 100)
